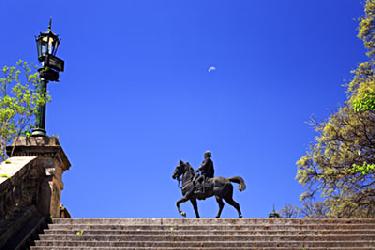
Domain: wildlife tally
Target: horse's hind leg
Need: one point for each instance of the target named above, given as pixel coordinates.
(221, 203)
(194, 202)
(229, 199)
(234, 204)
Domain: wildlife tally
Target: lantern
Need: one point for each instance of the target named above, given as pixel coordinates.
(47, 43)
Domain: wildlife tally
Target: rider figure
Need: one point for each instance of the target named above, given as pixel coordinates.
(207, 171)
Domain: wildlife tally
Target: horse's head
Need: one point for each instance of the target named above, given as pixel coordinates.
(179, 170)
(183, 169)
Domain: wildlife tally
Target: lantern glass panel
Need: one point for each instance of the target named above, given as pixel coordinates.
(56, 46)
(39, 48)
(49, 43)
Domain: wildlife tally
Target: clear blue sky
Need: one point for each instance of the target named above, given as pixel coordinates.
(137, 96)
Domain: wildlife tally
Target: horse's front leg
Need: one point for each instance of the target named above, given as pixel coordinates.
(182, 200)
(194, 202)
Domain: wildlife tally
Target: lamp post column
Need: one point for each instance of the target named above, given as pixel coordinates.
(40, 128)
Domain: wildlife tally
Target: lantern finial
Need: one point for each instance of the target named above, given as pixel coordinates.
(50, 24)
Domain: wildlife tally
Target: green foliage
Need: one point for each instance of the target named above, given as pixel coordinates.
(366, 27)
(4, 176)
(340, 163)
(362, 88)
(20, 97)
(79, 233)
(365, 102)
(364, 169)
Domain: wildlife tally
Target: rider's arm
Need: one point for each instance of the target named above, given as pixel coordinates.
(203, 165)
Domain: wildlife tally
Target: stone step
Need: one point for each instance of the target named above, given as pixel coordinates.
(205, 244)
(171, 233)
(201, 221)
(206, 227)
(208, 232)
(197, 248)
(196, 237)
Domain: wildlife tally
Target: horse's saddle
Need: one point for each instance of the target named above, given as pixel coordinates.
(206, 184)
(189, 185)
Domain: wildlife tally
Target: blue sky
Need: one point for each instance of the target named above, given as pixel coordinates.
(136, 96)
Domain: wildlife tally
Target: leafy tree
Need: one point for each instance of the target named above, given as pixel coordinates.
(340, 165)
(313, 209)
(309, 209)
(20, 97)
(290, 211)
(362, 88)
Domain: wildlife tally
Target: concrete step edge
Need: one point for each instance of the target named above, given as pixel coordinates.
(212, 220)
(215, 225)
(195, 248)
(371, 236)
(209, 243)
(325, 231)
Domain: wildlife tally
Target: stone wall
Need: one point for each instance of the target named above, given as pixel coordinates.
(30, 188)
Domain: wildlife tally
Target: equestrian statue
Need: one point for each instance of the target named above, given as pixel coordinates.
(194, 186)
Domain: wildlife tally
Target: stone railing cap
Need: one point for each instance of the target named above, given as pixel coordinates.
(39, 146)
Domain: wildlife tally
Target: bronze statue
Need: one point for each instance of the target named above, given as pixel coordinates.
(219, 187)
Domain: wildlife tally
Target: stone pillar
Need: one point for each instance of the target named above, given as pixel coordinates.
(52, 160)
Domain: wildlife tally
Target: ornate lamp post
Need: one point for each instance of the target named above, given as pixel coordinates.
(274, 214)
(47, 44)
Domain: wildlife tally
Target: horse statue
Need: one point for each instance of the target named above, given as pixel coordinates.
(219, 187)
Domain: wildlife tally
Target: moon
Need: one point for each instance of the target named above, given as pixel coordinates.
(211, 69)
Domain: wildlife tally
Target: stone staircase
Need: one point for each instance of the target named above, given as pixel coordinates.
(168, 233)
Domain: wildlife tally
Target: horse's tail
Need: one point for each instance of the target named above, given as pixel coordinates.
(238, 180)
